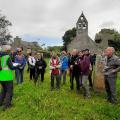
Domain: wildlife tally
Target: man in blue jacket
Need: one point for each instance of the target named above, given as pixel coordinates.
(64, 66)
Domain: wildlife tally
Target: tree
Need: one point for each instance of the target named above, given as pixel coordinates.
(56, 49)
(4, 32)
(68, 36)
(35, 44)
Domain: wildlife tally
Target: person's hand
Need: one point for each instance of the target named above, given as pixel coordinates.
(40, 67)
(19, 65)
(113, 71)
(90, 68)
(71, 66)
(75, 63)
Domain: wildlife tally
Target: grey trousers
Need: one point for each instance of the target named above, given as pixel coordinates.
(110, 86)
(85, 85)
(53, 77)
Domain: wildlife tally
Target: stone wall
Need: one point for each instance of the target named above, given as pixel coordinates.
(81, 42)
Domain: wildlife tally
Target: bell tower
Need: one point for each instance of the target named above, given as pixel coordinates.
(82, 25)
(82, 40)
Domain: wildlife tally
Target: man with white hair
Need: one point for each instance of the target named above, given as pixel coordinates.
(2, 53)
(6, 78)
(74, 70)
(110, 74)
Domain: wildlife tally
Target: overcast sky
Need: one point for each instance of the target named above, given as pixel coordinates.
(47, 20)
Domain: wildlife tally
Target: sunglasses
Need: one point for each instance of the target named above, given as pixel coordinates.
(19, 51)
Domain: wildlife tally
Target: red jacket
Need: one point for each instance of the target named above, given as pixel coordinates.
(54, 63)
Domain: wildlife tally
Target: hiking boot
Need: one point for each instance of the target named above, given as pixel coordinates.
(113, 101)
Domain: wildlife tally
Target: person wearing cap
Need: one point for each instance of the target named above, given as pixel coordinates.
(112, 67)
(6, 78)
(64, 66)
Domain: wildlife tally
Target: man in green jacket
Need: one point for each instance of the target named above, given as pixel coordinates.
(6, 78)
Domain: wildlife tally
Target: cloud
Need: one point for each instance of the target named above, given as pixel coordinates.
(107, 24)
(51, 18)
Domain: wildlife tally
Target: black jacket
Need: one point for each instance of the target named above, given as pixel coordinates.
(73, 61)
(40, 65)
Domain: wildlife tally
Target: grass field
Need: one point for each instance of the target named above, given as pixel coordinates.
(32, 102)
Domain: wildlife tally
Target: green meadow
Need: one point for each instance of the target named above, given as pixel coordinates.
(32, 102)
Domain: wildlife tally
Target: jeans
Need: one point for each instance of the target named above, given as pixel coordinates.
(63, 74)
(6, 93)
(19, 75)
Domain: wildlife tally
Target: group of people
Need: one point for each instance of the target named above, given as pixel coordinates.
(36, 66)
(35, 62)
(10, 61)
(78, 64)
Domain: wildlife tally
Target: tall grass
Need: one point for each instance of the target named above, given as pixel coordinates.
(32, 102)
